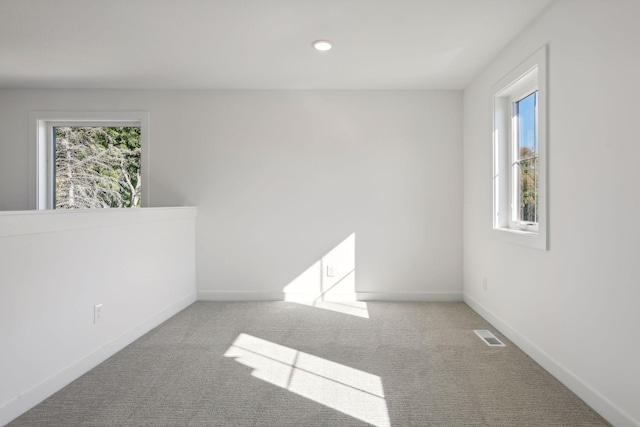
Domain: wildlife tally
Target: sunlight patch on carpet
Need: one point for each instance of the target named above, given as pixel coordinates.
(353, 392)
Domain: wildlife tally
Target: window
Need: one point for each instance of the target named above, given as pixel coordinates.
(90, 160)
(524, 162)
(519, 145)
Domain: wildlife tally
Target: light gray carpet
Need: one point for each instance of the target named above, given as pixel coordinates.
(284, 364)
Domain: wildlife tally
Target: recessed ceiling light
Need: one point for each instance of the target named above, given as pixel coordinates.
(322, 45)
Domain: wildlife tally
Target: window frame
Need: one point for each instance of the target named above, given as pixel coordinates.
(41, 133)
(514, 181)
(526, 78)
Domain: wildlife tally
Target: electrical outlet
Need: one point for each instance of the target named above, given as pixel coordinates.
(330, 272)
(484, 283)
(97, 313)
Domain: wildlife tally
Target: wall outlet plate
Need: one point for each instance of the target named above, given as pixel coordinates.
(330, 272)
(97, 313)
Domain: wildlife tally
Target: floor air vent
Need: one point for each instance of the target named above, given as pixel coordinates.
(488, 338)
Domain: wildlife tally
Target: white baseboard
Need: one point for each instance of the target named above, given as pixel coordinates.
(240, 296)
(361, 296)
(410, 296)
(27, 400)
(593, 398)
(316, 296)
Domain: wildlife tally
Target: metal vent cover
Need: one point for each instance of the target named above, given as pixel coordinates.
(488, 338)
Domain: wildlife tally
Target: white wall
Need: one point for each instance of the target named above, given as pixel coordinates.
(281, 177)
(573, 308)
(55, 266)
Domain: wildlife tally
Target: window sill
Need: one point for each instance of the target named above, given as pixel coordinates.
(532, 239)
(516, 230)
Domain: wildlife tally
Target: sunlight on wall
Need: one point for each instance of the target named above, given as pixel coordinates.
(348, 390)
(330, 283)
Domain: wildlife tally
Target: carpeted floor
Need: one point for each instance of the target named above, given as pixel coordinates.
(285, 364)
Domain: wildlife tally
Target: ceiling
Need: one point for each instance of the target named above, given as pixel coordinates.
(254, 44)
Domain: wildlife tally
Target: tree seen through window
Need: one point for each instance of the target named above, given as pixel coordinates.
(97, 167)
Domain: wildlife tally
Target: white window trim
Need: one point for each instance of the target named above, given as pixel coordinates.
(41, 167)
(516, 83)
